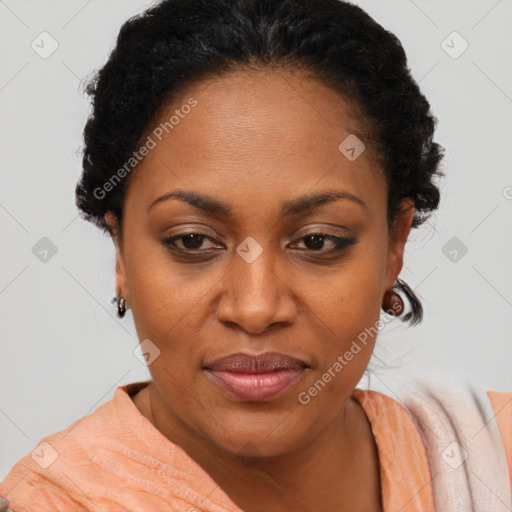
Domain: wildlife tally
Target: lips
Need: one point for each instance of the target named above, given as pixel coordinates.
(255, 378)
(263, 363)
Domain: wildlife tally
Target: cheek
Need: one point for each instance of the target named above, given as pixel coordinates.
(159, 294)
(169, 303)
(348, 308)
(350, 298)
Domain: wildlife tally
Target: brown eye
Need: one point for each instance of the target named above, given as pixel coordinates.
(315, 242)
(190, 242)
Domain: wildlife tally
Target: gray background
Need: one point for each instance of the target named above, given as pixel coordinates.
(63, 350)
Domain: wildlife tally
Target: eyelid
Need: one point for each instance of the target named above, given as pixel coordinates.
(178, 231)
(325, 229)
(298, 234)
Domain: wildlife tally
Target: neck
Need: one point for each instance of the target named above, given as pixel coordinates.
(337, 470)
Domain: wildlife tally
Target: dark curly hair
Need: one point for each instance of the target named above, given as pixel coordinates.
(176, 43)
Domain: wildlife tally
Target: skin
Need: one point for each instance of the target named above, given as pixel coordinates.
(255, 140)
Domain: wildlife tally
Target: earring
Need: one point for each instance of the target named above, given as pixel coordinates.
(393, 303)
(121, 306)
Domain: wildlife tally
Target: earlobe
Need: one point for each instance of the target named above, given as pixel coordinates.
(119, 270)
(120, 274)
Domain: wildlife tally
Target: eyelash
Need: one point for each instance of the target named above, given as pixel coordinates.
(340, 243)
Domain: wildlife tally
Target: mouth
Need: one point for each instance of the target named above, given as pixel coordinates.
(255, 378)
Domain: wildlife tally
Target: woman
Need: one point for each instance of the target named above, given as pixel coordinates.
(259, 165)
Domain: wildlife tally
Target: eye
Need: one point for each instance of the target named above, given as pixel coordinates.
(191, 242)
(315, 242)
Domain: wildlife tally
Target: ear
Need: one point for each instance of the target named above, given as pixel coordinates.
(397, 237)
(120, 273)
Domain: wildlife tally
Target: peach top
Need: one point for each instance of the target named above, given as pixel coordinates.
(115, 460)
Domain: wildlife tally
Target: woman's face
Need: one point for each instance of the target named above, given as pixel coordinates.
(254, 149)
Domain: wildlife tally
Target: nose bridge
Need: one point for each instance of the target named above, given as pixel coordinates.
(256, 296)
(255, 275)
(254, 272)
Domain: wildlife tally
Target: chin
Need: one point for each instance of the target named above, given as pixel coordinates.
(266, 437)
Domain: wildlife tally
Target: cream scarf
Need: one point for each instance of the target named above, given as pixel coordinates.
(464, 446)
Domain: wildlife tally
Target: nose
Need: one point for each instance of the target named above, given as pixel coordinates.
(255, 296)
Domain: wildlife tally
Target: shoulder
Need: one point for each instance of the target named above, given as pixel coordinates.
(404, 468)
(53, 475)
(502, 406)
(378, 404)
(480, 422)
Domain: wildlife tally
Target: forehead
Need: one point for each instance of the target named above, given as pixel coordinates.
(256, 134)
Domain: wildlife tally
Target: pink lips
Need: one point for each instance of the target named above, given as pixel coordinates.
(256, 377)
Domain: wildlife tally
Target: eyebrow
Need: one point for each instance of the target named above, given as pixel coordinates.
(302, 204)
